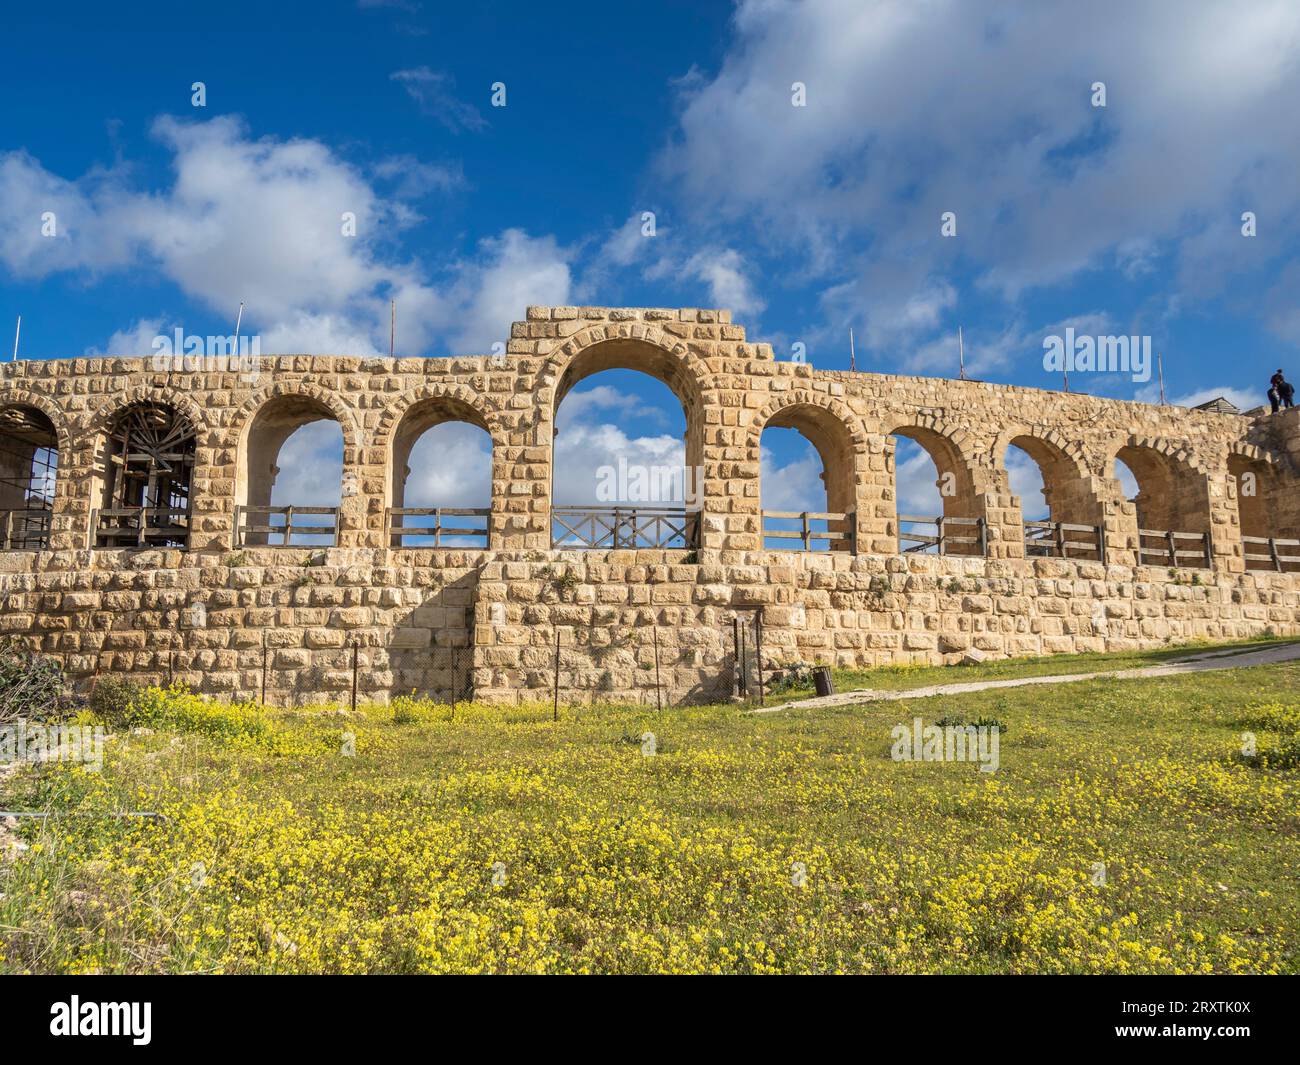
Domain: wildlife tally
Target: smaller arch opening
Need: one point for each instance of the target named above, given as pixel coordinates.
(1060, 513)
(940, 516)
(1269, 515)
(147, 469)
(292, 483)
(807, 482)
(29, 464)
(440, 482)
(1173, 507)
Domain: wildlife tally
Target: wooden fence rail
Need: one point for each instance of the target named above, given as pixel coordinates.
(1275, 558)
(1166, 551)
(1055, 539)
(398, 531)
(244, 528)
(943, 540)
(140, 527)
(839, 532)
(614, 527)
(25, 530)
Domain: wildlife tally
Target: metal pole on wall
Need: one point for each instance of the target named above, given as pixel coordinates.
(264, 654)
(555, 706)
(659, 699)
(356, 651)
(758, 652)
(735, 655)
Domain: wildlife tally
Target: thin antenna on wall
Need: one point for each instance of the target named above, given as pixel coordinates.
(18, 329)
(961, 356)
(392, 327)
(853, 357)
(239, 320)
(1160, 370)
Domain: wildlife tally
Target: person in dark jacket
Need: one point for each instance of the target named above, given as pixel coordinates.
(1281, 392)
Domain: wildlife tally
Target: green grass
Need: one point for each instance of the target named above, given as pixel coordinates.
(791, 842)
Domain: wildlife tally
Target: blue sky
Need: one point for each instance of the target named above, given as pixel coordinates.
(805, 220)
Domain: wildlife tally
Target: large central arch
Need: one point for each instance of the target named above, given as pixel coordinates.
(661, 357)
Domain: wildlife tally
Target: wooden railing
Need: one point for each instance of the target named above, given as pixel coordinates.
(1157, 547)
(141, 527)
(286, 531)
(25, 530)
(1059, 539)
(615, 527)
(942, 540)
(1279, 554)
(399, 529)
(838, 532)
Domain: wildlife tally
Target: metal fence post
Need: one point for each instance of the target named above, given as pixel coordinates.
(356, 653)
(555, 700)
(758, 653)
(735, 654)
(659, 700)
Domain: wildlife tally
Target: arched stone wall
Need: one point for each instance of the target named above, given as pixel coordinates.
(122, 609)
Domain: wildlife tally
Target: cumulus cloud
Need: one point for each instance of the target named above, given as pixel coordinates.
(451, 466)
(135, 340)
(724, 272)
(917, 109)
(793, 485)
(311, 468)
(512, 271)
(263, 221)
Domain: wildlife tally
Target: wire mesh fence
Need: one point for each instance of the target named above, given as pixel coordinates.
(718, 658)
(658, 665)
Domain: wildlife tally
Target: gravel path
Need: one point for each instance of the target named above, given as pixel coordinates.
(1198, 663)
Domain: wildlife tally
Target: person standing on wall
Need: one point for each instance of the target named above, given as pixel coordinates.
(1281, 393)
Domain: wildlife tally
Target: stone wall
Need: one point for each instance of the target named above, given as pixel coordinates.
(420, 615)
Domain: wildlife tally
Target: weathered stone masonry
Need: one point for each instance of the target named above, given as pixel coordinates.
(109, 609)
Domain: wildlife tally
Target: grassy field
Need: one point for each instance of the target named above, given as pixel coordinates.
(1122, 832)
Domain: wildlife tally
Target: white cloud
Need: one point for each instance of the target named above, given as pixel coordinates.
(311, 468)
(796, 485)
(260, 221)
(136, 340)
(434, 92)
(451, 466)
(724, 273)
(1027, 482)
(917, 109)
(512, 271)
(916, 477)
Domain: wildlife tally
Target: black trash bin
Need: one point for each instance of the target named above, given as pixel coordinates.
(822, 680)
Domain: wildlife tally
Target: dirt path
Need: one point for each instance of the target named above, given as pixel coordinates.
(1198, 663)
